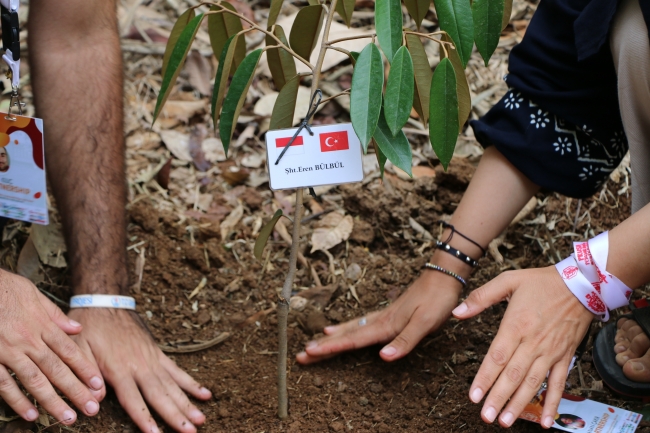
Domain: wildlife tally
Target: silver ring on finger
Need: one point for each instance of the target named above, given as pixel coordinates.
(363, 321)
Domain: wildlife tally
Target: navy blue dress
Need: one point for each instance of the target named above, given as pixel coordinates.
(560, 123)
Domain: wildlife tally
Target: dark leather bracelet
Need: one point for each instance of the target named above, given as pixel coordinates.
(458, 254)
(435, 267)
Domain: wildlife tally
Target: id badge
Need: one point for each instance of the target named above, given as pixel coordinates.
(23, 192)
(332, 156)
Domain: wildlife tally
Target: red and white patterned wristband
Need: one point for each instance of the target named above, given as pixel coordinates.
(585, 274)
(580, 286)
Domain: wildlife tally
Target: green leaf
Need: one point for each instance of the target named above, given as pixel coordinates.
(306, 29)
(417, 9)
(179, 25)
(443, 112)
(274, 12)
(176, 60)
(236, 96)
(222, 27)
(345, 9)
(388, 22)
(266, 231)
(488, 17)
(507, 11)
(365, 93)
(462, 87)
(381, 158)
(423, 75)
(455, 17)
(281, 63)
(221, 79)
(399, 91)
(396, 148)
(285, 105)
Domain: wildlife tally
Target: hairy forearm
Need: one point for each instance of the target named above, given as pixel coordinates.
(497, 192)
(76, 70)
(629, 248)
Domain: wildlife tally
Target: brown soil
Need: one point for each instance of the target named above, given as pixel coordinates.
(427, 390)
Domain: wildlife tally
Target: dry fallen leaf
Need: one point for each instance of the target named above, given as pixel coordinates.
(29, 265)
(195, 146)
(177, 143)
(183, 110)
(228, 225)
(213, 150)
(49, 243)
(235, 175)
(199, 71)
(333, 229)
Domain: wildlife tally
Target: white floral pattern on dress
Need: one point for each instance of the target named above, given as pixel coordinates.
(512, 100)
(540, 119)
(562, 145)
(587, 172)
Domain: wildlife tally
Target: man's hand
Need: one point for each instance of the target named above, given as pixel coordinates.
(138, 370)
(542, 327)
(36, 348)
(419, 311)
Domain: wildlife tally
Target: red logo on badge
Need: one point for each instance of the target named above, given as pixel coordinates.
(570, 272)
(282, 142)
(334, 141)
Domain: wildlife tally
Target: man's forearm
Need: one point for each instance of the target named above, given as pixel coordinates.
(629, 249)
(76, 70)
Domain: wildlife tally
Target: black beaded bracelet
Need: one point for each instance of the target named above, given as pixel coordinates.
(454, 252)
(446, 272)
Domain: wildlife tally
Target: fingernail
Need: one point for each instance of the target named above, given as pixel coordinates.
(31, 415)
(311, 345)
(620, 348)
(624, 358)
(548, 421)
(329, 329)
(388, 351)
(477, 395)
(195, 413)
(490, 414)
(92, 407)
(507, 418)
(74, 323)
(97, 383)
(69, 416)
(460, 310)
(204, 390)
(154, 429)
(637, 366)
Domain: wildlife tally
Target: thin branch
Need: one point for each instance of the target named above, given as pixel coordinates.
(345, 92)
(350, 38)
(342, 50)
(254, 26)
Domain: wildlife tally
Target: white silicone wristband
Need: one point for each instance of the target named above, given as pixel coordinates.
(102, 301)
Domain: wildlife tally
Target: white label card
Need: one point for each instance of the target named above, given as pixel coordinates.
(23, 194)
(331, 156)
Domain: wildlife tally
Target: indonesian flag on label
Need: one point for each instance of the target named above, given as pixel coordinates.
(296, 148)
(581, 287)
(332, 141)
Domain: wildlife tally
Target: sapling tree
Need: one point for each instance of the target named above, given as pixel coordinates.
(379, 108)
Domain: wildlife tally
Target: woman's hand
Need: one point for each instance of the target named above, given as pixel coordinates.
(425, 305)
(539, 333)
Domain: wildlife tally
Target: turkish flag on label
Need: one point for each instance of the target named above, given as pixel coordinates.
(282, 142)
(334, 141)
